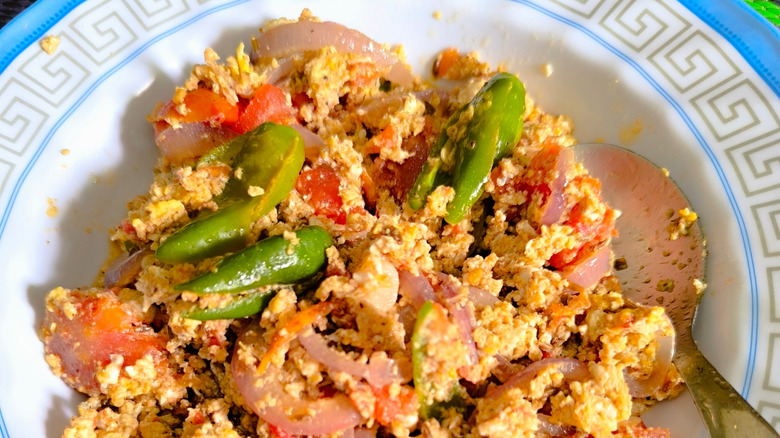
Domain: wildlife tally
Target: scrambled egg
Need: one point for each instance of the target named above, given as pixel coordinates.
(515, 347)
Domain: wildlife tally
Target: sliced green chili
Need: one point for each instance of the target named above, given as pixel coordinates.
(472, 141)
(274, 260)
(429, 316)
(240, 307)
(266, 162)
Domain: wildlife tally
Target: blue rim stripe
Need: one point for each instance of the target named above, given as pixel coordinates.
(27, 27)
(755, 38)
(735, 21)
(72, 109)
(719, 170)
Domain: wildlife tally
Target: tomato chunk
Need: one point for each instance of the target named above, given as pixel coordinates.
(594, 230)
(203, 105)
(389, 406)
(320, 187)
(206, 105)
(444, 62)
(269, 104)
(84, 329)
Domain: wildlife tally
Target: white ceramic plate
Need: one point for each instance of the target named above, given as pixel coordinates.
(698, 96)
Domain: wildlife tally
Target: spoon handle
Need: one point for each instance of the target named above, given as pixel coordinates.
(725, 413)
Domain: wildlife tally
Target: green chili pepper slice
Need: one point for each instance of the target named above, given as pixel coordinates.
(430, 318)
(274, 260)
(472, 141)
(238, 308)
(266, 163)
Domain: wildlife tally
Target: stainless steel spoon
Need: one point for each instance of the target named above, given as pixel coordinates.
(662, 271)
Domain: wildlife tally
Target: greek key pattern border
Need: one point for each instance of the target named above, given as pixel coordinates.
(741, 121)
(40, 86)
(737, 119)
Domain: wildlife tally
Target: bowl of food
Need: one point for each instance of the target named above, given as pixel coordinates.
(309, 218)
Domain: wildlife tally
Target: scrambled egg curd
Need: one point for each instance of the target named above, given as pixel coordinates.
(333, 246)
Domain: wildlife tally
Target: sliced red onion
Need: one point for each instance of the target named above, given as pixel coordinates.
(192, 139)
(377, 107)
(123, 270)
(407, 316)
(310, 139)
(291, 414)
(505, 369)
(359, 432)
(553, 430)
(589, 271)
(277, 74)
(416, 289)
(377, 372)
(572, 369)
(306, 35)
(653, 382)
(448, 296)
(312, 143)
(482, 298)
(362, 432)
(556, 202)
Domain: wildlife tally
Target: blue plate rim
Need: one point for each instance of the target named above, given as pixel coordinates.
(734, 20)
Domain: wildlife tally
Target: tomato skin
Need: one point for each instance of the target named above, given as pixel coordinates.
(269, 104)
(545, 180)
(278, 432)
(399, 178)
(320, 187)
(444, 62)
(363, 74)
(594, 233)
(84, 329)
(203, 105)
(388, 406)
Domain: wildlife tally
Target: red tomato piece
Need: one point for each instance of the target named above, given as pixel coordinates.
(386, 139)
(642, 431)
(593, 231)
(88, 328)
(269, 104)
(444, 62)
(363, 74)
(278, 432)
(320, 187)
(399, 178)
(204, 105)
(387, 406)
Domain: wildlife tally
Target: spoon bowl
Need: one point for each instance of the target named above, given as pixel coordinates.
(659, 257)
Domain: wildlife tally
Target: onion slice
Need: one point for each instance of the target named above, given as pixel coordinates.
(286, 39)
(191, 139)
(276, 74)
(359, 432)
(482, 298)
(123, 269)
(378, 372)
(556, 202)
(653, 382)
(553, 430)
(415, 288)
(590, 270)
(572, 369)
(462, 317)
(312, 143)
(505, 369)
(267, 398)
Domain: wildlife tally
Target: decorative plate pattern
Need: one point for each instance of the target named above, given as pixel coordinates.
(714, 88)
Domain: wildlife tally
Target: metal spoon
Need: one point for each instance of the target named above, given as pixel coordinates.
(661, 271)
